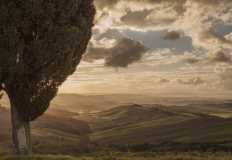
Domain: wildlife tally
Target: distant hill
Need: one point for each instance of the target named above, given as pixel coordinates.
(95, 103)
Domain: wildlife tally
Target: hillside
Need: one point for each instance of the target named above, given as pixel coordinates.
(55, 132)
(138, 124)
(174, 124)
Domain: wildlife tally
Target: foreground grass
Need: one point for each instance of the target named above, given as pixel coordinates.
(130, 156)
(38, 158)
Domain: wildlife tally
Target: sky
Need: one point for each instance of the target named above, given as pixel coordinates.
(158, 47)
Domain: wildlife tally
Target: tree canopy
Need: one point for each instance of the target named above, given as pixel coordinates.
(41, 44)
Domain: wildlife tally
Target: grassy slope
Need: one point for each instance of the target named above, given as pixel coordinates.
(59, 132)
(55, 132)
(135, 125)
(132, 156)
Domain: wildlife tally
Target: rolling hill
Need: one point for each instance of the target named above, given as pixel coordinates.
(55, 132)
(138, 124)
(71, 125)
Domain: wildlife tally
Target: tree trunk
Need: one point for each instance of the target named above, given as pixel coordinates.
(20, 133)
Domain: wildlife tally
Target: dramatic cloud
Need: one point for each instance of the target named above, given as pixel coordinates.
(163, 81)
(172, 35)
(211, 37)
(188, 40)
(155, 40)
(136, 18)
(201, 21)
(95, 53)
(193, 81)
(191, 60)
(226, 78)
(101, 4)
(110, 34)
(207, 22)
(220, 57)
(124, 53)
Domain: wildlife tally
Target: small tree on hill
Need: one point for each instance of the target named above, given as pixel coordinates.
(41, 44)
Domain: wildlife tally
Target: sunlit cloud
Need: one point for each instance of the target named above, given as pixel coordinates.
(158, 46)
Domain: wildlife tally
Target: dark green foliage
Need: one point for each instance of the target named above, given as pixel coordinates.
(41, 43)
